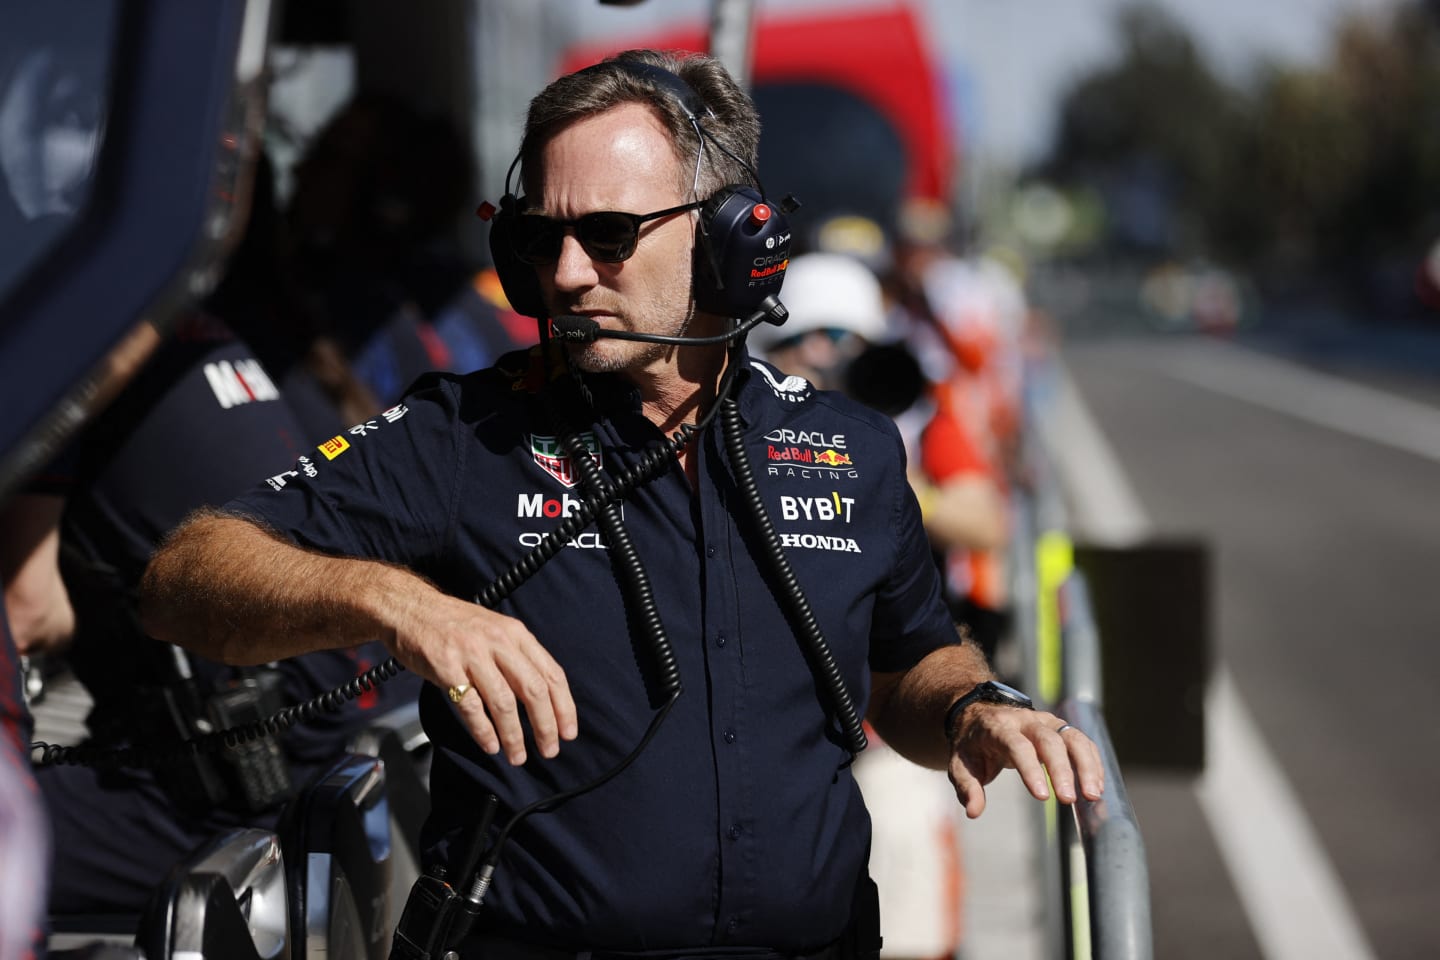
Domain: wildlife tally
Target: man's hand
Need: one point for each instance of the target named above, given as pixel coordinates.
(993, 737)
(450, 642)
(233, 592)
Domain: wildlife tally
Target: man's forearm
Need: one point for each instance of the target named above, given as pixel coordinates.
(230, 591)
(908, 709)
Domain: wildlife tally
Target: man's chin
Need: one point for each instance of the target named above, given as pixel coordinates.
(617, 356)
(602, 356)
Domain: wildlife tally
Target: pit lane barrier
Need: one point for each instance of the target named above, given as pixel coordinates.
(1092, 868)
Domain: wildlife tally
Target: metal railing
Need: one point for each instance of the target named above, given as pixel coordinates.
(1110, 880)
(1093, 865)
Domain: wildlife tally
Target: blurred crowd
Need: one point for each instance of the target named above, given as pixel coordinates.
(331, 304)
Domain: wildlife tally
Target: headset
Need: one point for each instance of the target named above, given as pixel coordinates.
(744, 238)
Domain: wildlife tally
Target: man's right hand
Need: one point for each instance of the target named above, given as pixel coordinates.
(450, 642)
(233, 592)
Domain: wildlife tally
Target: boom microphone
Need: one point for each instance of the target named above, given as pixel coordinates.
(576, 329)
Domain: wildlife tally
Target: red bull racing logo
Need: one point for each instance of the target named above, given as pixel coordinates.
(554, 461)
(810, 454)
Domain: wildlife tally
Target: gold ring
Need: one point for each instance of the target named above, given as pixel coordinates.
(457, 692)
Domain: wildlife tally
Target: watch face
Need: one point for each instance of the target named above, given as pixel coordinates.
(1004, 693)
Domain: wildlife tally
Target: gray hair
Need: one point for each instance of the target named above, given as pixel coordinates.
(728, 115)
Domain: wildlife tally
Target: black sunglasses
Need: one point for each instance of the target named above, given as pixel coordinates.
(608, 236)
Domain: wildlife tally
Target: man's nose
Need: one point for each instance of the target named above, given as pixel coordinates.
(574, 268)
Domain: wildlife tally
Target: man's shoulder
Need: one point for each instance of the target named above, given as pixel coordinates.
(515, 375)
(787, 400)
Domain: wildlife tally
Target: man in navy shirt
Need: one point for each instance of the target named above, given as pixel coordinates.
(737, 829)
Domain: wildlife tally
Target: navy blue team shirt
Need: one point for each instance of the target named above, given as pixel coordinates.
(740, 823)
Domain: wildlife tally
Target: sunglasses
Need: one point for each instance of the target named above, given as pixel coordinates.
(607, 236)
(836, 336)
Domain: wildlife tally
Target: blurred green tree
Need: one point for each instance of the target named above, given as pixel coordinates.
(1316, 171)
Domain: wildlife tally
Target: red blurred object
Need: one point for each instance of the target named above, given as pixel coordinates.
(878, 55)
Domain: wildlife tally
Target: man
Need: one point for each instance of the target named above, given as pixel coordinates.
(737, 828)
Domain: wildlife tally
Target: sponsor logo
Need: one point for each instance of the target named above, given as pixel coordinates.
(798, 454)
(278, 481)
(590, 540)
(809, 454)
(395, 412)
(547, 453)
(360, 429)
(792, 389)
(813, 541)
(812, 473)
(238, 383)
(833, 507)
(759, 273)
(538, 505)
(304, 464)
(807, 438)
(333, 447)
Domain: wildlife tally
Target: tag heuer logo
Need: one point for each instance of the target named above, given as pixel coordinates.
(547, 453)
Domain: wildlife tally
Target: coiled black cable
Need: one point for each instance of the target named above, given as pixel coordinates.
(634, 581)
(331, 701)
(795, 604)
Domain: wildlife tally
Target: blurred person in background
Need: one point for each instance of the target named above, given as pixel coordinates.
(835, 313)
(965, 315)
(370, 224)
(187, 430)
(260, 298)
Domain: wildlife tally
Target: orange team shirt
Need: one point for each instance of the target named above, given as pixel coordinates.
(948, 450)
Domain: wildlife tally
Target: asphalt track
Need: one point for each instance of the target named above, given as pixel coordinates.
(1315, 487)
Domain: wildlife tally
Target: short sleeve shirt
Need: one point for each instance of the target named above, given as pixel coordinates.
(739, 823)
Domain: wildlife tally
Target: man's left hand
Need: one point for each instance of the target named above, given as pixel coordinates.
(993, 737)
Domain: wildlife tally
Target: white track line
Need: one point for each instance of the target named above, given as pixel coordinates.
(1287, 884)
(1319, 398)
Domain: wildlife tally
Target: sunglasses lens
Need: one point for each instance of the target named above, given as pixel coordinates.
(608, 237)
(536, 239)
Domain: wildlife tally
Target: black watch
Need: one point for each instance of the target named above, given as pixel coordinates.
(990, 691)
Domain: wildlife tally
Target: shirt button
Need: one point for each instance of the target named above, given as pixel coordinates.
(735, 832)
(733, 923)
(720, 640)
(709, 551)
(729, 736)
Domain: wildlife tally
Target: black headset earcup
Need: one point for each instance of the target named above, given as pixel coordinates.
(744, 251)
(517, 278)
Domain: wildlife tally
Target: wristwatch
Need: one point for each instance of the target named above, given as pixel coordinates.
(990, 691)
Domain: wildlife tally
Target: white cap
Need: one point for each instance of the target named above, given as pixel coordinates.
(827, 291)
